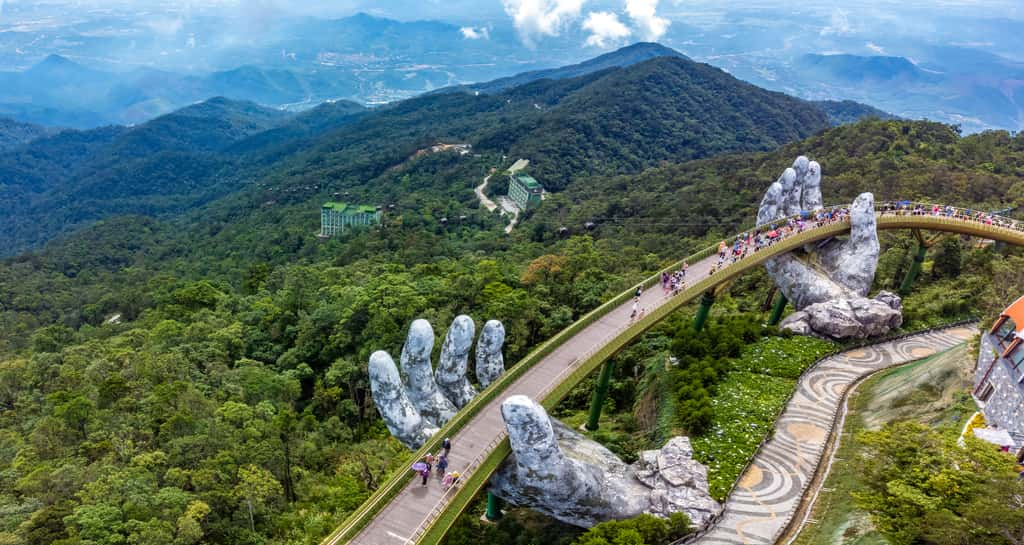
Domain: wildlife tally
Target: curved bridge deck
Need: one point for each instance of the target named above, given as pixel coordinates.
(402, 511)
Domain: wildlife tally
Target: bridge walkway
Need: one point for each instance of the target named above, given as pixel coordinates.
(409, 511)
(403, 511)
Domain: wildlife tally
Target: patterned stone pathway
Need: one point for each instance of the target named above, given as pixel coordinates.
(769, 492)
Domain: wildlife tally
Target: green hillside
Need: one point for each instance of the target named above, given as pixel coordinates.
(188, 366)
(615, 121)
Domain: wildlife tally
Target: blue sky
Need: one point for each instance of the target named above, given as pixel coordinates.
(603, 22)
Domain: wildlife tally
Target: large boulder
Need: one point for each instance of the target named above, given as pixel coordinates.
(855, 318)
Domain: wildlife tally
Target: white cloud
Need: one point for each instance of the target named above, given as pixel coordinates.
(535, 19)
(875, 47)
(472, 33)
(605, 29)
(649, 25)
(839, 24)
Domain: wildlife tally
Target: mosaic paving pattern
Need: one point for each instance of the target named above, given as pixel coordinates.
(769, 492)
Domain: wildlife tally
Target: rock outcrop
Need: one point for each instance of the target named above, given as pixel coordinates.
(559, 472)
(848, 318)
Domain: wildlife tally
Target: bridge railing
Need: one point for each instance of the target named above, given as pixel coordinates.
(362, 516)
(926, 209)
(383, 495)
(589, 361)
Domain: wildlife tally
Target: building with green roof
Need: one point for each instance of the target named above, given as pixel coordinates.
(524, 190)
(336, 217)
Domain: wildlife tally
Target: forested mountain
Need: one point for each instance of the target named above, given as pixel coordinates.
(620, 58)
(613, 121)
(841, 112)
(55, 184)
(896, 160)
(188, 366)
(156, 371)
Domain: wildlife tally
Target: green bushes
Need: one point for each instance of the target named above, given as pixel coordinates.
(642, 530)
(702, 362)
(922, 487)
(730, 384)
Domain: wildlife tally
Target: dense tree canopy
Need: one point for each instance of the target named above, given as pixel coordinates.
(199, 377)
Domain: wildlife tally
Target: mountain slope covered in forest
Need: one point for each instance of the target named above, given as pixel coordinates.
(14, 133)
(617, 120)
(160, 366)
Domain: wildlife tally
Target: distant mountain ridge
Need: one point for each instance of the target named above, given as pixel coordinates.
(612, 121)
(841, 112)
(620, 58)
(856, 67)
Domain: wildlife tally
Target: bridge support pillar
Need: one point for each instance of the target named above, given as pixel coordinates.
(915, 269)
(780, 306)
(706, 301)
(597, 401)
(493, 513)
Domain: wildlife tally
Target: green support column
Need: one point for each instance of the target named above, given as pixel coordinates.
(493, 513)
(915, 269)
(706, 301)
(780, 305)
(597, 401)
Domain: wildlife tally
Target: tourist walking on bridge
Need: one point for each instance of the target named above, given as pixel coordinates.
(442, 464)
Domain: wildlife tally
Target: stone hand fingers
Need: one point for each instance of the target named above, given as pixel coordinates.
(812, 186)
(451, 369)
(418, 375)
(403, 420)
(858, 257)
(490, 363)
(417, 401)
(771, 204)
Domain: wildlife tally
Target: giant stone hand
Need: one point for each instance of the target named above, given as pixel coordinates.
(553, 469)
(418, 401)
(828, 282)
(559, 472)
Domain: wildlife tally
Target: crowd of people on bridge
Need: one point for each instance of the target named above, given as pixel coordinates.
(907, 208)
(767, 235)
(425, 466)
(746, 243)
